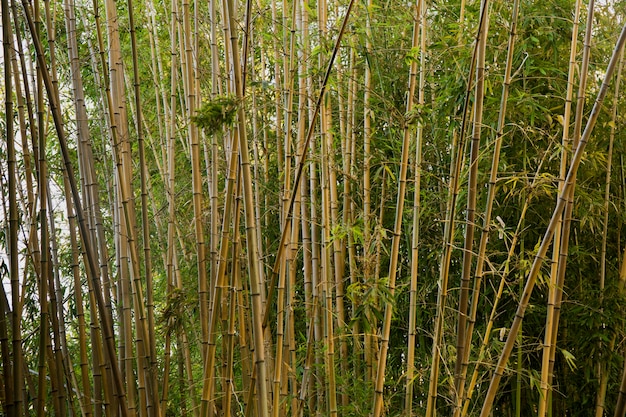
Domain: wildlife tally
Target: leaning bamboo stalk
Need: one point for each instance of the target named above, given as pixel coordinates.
(220, 278)
(549, 234)
(303, 161)
(66, 378)
(188, 78)
(122, 158)
(143, 173)
(467, 396)
(85, 392)
(43, 266)
(284, 275)
(397, 230)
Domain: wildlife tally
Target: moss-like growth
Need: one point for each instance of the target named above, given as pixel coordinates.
(216, 113)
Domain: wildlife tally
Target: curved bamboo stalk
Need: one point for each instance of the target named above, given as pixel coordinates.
(547, 239)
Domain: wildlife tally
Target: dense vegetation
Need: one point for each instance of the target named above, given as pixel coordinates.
(313, 208)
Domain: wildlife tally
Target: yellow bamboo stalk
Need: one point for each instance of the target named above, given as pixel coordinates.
(558, 277)
(415, 240)
(55, 110)
(397, 230)
(481, 255)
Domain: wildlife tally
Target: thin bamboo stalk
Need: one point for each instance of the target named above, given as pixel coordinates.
(143, 173)
(85, 392)
(558, 280)
(367, 182)
(303, 161)
(397, 229)
(415, 239)
(15, 398)
(603, 373)
(327, 271)
(254, 266)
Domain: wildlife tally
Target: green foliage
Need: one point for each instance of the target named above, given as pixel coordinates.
(216, 113)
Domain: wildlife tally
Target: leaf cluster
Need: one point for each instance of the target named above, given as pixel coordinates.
(216, 113)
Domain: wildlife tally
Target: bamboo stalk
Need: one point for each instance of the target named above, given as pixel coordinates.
(603, 373)
(415, 241)
(558, 279)
(397, 230)
(367, 182)
(15, 399)
(143, 173)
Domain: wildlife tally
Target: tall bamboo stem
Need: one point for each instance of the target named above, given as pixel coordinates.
(397, 230)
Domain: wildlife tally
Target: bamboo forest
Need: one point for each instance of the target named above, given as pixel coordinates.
(325, 208)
